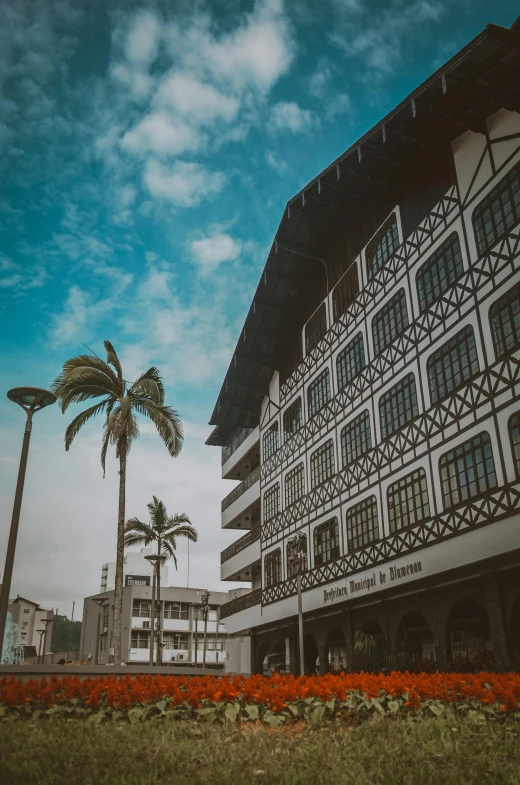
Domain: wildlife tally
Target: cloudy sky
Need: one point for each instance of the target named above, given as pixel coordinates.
(146, 154)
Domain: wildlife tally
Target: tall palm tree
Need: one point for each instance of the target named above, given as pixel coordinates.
(164, 530)
(88, 377)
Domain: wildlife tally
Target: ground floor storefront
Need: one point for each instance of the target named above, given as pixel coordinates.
(461, 619)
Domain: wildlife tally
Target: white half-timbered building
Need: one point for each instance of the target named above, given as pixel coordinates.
(372, 403)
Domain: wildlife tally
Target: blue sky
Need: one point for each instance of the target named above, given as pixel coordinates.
(146, 153)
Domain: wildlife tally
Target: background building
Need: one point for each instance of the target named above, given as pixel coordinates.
(135, 569)
(29, 617)
(181, 622)
(372, 403)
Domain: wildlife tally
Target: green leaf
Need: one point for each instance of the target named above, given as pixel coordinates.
(135, 715)
(318, 715)
(231, 712)
(161, 705)
(436, 709)
(274, 720)
(253, 714)
(96, 718)
(393, 706)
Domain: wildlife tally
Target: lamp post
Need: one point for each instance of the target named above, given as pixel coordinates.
(100, 602)
(204, 598)
(156, 561)
(41, 633)
(297, 561)
(46, 622)
(31, 399)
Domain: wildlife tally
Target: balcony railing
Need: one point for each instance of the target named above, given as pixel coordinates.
(239, 436)
(241, 488)
(241, 603)
(244, 542)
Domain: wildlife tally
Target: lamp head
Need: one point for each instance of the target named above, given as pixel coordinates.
(31, 398)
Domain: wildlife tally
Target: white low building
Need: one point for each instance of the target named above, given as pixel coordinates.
(137, 570)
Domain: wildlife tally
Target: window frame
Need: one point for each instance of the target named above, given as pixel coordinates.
(459, 452)
(488, 202)
(362, 538)
(409, 377)
(516, 461)
(289, 496)
(183, 608)
(453, 345)
(349, 356)
(387, 234)
(315, 456)
(270, 444)
(356, 422)
(324, 375)
(294, 405)
(317, 323)
(508, 300)
(382, 339)
(345, 291)
(335, 549)
(408, 481)
(433, 263)
(273, 574)
(271, 502)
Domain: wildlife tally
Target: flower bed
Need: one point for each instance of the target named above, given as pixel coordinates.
(274, 700)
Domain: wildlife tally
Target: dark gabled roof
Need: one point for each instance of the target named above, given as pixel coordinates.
(480, 79)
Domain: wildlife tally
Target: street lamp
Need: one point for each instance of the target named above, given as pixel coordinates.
(154, 560)
(297, 560)
(31, 399)
(46, 622)
(41, 633)
(204, 599)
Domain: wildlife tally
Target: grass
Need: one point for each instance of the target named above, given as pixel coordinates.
(394, 752)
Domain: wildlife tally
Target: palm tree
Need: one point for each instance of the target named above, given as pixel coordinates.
(163, 529)
(88, 377)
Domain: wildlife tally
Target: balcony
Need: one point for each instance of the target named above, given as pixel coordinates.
(241, 603)
(243, 449)
(237, 506)
(244, 542)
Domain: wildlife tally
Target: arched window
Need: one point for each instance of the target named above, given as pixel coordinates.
(350, 361)
(504, 318)
(389, 322)
(467, 471)
(453, 365)
(408, 501)
(362, 524)
(398, 406)
(273, 568)
(382, 246)
(498, 211)
(326, 542)
(439, 272)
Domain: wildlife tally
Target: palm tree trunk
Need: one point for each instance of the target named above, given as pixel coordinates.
(159, 625)
(118, 594)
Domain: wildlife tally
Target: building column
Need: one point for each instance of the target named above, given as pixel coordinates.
(496, 618)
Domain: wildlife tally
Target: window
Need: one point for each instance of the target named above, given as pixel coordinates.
(451, 366)
(105, 615)
(326, 542)
(270, 441)
(176, 640)
(514, 433)
(139, 640)
(390, 322)
(380, 249)
(212, 644)
(318, 392)
(345, 292)
(294, 485)
(272, 502)
(25, 624)
(273, 568)
(408, 501)
(467, 471)
(322, 463)
(438, 273)
(498, 211)
(26, 610)
(504, 317)
(141, 608)
(315, 328)
(103, 645)
(350, 361)
(362, 523)
(294, 549)
(292, 418)
(176, 610)
(356, 438)
(398, 406)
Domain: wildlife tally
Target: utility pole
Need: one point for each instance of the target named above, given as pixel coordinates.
(196, 632)
(70, 628)
(205, 610)
(297, 561)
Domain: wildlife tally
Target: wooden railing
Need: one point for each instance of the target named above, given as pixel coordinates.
(239, 436)
(241, 488)
(241, 603)
(244, 542)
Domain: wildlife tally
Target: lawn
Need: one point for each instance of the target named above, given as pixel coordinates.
(446, 750)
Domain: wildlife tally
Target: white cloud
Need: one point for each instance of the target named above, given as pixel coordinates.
(201, 103)
(341, 103)
(210, 252)
(157, 133)
(18, 278)
(184, 184)
(288, 116)
(319, 80)
(143, 39)
(78, 320)
(275, 162)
